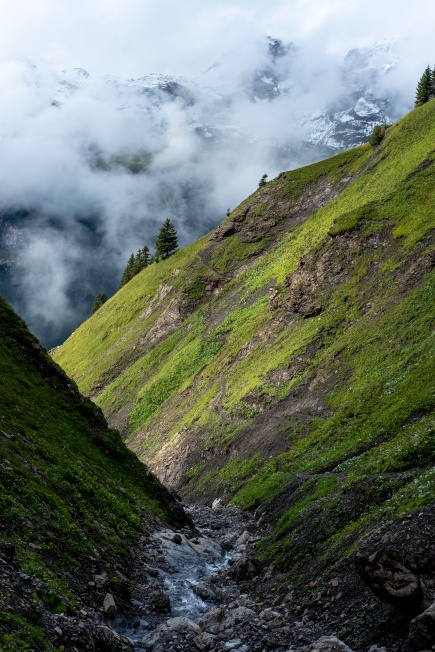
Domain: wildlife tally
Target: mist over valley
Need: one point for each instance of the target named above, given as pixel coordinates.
(91, 165)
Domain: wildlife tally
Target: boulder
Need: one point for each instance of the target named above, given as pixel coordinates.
(106, 640)
(161, 602)
(205, 641)
(422, 629)
(327, 644)
(178, 627)
(397, 561)
(205, 592)
(219, 618)
(244, 569)
(109, 606)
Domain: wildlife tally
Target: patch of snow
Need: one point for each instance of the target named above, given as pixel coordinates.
(365, 108)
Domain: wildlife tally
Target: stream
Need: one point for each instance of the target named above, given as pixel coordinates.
(183, 573)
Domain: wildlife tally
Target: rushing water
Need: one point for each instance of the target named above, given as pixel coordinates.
(189, 564)
(192, 562)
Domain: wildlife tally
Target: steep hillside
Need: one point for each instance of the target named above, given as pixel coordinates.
(285, 361)
(72, 497)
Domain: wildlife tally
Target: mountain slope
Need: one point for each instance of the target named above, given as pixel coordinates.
(72, 497)
(286, 360)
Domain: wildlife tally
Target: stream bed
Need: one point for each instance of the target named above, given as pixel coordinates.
(184, 573)
(202, 590)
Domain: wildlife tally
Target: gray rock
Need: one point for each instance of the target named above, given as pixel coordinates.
(109, 606)
(397, 561)
(171, 629)
(205, 592)
(178, 539)
(422, 629)
(218, 618)
(327, 644)
(109, 641)
(268, 615)
(161, 602)
(205, 641)
(243, 539)
(100, 580)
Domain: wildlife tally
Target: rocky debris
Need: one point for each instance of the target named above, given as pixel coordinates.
(86, 622)
(26, 596)
(224, 604)
(253, 223)
(205, 592)
(220, 619)
(211, 613)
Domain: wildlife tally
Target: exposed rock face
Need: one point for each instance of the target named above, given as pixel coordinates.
(253, 222)
(316, 274)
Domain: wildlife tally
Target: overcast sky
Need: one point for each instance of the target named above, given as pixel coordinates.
(134, 37)
(49, 141)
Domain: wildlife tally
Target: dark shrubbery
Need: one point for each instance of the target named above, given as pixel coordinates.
(377, 135)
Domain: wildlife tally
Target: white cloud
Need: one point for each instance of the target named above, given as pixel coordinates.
(51, 158)
(136, 36)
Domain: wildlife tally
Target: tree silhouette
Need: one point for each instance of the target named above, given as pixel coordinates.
(167, 241)
(142, 260)
(98, 301)
(262, 181)
(128, 272)
(425, 87)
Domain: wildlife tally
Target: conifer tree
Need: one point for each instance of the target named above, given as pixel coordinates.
(166, 242)
(145, 257)
(262, 181)
(98, 301)
(128, 272)
(425, 87)
(142, 260)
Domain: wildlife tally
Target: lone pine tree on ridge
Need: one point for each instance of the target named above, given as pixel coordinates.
(167, 241)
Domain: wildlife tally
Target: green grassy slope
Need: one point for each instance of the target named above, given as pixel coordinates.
(286, 361)
(70, 491)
